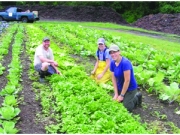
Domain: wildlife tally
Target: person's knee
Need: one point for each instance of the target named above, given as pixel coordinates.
(129, 106)
(44, 66)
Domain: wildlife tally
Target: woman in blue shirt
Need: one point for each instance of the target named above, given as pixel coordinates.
(124, 82)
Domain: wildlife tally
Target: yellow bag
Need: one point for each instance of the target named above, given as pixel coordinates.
(100, 68)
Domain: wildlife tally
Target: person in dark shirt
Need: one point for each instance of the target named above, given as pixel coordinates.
(123, 79)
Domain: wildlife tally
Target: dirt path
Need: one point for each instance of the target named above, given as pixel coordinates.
(158, 115)
(28, 123)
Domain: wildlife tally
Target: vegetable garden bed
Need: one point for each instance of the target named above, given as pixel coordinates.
(73, 103)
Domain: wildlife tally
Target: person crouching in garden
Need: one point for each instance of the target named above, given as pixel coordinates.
(44, 60)
(101, 72)
(123, 79)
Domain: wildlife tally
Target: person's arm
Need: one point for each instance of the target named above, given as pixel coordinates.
(115, 86)
(45, 60)
(125, 85)
(55, 67)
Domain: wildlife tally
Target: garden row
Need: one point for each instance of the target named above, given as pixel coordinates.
(9, 94)
(74, 101)
(156, 71)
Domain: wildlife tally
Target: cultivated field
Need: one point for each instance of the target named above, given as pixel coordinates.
(73, 103)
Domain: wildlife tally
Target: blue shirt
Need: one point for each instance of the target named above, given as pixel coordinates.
(124, 65)
(107, 56)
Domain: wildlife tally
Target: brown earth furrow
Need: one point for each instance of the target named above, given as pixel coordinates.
(28, 123)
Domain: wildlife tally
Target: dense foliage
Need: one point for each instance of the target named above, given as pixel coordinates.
(131, 11)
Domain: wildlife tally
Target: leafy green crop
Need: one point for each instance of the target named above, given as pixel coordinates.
(9, 112)
(83, 106)
(8, 90)
(171, 93)
(8, 127)
(1, 69)
(10, 100)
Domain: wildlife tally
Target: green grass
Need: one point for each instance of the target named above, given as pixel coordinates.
(113, 26)
(159, 44)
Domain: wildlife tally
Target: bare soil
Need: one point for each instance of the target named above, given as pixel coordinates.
(167, 23)
(28, 123)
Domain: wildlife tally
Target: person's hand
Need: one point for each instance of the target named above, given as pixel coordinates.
(58, 72)
(115, 97)
(55, 63)
(92, 72)
(99, 76)
(120, 98)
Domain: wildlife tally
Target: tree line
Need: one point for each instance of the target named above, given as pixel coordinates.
(129, 10)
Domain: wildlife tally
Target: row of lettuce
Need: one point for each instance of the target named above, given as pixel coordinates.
(156, 71)
(74, 101)
(9, 110)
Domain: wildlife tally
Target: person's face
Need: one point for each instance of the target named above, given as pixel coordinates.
(101, 46)
(46, 44)
(115, 55)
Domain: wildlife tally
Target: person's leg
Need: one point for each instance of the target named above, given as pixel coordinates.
(106, 77)
(130, 100)
(139, 96)
(38, 67)
(51, 70)
(42, 69)
(45, 66)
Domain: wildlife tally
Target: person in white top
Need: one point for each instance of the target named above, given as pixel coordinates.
(44, 60)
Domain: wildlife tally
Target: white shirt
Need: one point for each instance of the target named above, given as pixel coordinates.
(40, 51)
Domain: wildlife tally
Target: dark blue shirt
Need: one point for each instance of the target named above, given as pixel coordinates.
(124, 65)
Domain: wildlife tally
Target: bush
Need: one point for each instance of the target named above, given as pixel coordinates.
(166, 9)
(169, 7)
(132, 16)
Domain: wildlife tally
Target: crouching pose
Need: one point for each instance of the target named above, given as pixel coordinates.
(101, 72)
(44, 60)
(124, 82)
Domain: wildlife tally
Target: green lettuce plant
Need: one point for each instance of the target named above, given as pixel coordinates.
(170, 93)
(9, 112)
(1, 69)
(10, 100)
(8, 127)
